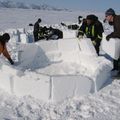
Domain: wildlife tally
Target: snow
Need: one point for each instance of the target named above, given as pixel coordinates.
(100, 105)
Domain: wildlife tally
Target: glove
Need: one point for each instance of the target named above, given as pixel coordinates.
(108, 37)
(94, 43)
(80, 37)
(11, 61)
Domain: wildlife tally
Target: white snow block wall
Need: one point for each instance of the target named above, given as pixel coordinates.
(111, 47)
(38, 88)
(69, 33)
(69, 50)
(55, 87)
(70, 86)
(32, 57)
(7, 75)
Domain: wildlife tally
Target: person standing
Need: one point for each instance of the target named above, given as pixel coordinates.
(36, 29)
(3, 49)
(114, 20)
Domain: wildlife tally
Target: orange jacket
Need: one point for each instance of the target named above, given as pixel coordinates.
(4, 51)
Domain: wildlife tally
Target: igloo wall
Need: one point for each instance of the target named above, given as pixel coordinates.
(37, 59)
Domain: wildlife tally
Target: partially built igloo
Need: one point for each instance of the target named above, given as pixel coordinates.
(55, 70)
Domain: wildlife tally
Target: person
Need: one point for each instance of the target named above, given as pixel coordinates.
(79, 19)
(36, 29)
(3, 49)
(54, 34)
(93, 29)
(113, 20)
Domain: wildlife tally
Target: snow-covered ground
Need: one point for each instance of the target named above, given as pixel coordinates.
(102, 105)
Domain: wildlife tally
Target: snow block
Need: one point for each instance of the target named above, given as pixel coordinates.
(68, 48)
(87, 47)
(48, 46)
(54, 56)
(78, 85)
(69, 34)
(23, 38)
(68, 45)
(100, 69)
(38, 88)
(7, 78)
(111, 47)
(5, 82)
(14, 38)
(32, 57)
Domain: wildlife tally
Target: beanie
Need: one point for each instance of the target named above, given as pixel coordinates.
(39, 20)
(92, 17)
(110, 11)
(6, 37)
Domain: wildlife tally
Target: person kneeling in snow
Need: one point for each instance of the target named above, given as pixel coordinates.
(3, 40)
(93, 29)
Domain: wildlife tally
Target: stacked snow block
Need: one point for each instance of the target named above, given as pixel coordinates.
(55, 87)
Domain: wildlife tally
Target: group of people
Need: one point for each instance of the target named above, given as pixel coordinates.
(40, 32)
(91, 27)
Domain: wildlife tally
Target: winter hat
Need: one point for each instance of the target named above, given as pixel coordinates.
(92, 17)
(6, 37)
(110, 11)
(39, 20)
(79, 17)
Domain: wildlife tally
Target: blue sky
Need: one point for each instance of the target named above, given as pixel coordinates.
(94, 5)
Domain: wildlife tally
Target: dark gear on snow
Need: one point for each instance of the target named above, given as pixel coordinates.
(5, 38)
(108, 37)
(54, 34)
(11, 61)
